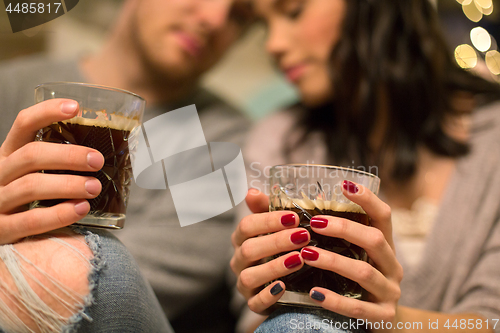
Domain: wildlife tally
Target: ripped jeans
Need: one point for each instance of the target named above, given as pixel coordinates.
(118, 298)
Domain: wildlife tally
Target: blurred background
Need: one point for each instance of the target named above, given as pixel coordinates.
(246, 78)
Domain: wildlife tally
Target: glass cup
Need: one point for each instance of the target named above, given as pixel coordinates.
(108, 121)
(311, 190)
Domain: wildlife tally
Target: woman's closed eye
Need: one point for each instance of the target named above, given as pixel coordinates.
(292, 9)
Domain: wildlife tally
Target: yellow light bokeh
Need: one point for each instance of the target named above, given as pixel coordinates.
(484, 3)
(489, 10)
(493, 61)
(472, 12)
(480, 38)
(464, 2)
(465, 56)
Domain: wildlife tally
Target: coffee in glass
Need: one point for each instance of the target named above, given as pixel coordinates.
(311, 190)
(107, 121)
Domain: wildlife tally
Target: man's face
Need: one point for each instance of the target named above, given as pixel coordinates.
(184, 38)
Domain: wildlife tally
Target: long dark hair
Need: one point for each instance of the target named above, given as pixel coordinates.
(392, 55)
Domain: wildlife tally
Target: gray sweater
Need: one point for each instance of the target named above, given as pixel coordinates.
(460, 270)
(184, 265)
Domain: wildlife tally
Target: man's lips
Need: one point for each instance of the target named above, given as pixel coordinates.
(294, 73)
(189, 43)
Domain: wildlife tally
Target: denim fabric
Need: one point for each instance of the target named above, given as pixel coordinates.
(305, 320)
(123, 300)
(120, 299)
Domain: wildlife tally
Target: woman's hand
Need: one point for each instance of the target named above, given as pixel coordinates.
(21, 183)
(250, 250)
(381, 279)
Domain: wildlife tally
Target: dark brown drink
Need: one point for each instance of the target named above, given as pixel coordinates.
(116, 173)
(308, 277)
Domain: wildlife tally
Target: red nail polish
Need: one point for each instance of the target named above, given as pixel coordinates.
(350, 187)
(288, 220)
(318, 222)
(309, 254)
(299, 237)
(293, 261)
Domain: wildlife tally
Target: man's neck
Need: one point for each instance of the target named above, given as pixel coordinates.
(118, 65)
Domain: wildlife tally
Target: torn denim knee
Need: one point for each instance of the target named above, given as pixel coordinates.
(30, 304)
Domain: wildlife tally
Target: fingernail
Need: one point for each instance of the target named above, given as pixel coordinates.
(299, 237)
(276, 289)
(316, 295)
(253, 191)
(288, 220)
(94, 160)
(309, 254)
(319, 222)
(93, 186)
(69, 107)
(350, 187)
(82, 208)
(292, 261)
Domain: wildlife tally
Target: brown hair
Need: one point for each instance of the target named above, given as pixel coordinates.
(391, 53)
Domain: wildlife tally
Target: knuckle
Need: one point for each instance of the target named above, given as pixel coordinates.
(29, 183)
(245, 226)
(397, 292)
(386, 212)
(68, 185)
(270, 219)
(278, 242)
(59, 218)
(240, 287)
(233, 240)
(246, 251)
(73, 154)
(343, 226)
(246, 280)
(253, 306)
(31, 221)
(389, 314)
(378, 240)
(358, 311)
(366, 273)
(31, 152)
(399, 273)
(234, 265)
(276, 269)
(22, 119)
(333, 260)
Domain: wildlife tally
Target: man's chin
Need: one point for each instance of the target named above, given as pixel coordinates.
(174, 71)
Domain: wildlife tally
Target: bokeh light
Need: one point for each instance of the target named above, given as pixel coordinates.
(489, 10)
(473, 11)
(483, 3)
(493, 61)
(466, 56)
(480, 39)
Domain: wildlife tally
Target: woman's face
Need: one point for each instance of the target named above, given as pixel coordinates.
(302, 34)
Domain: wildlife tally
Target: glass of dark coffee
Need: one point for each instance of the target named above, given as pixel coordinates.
(108, 121)
(310, 190)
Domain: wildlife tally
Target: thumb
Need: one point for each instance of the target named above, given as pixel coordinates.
(257, 201)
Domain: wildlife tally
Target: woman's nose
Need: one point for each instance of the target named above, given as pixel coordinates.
(277, 40)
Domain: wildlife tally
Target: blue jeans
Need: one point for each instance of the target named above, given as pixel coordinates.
(304, 320)
(121, 300)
